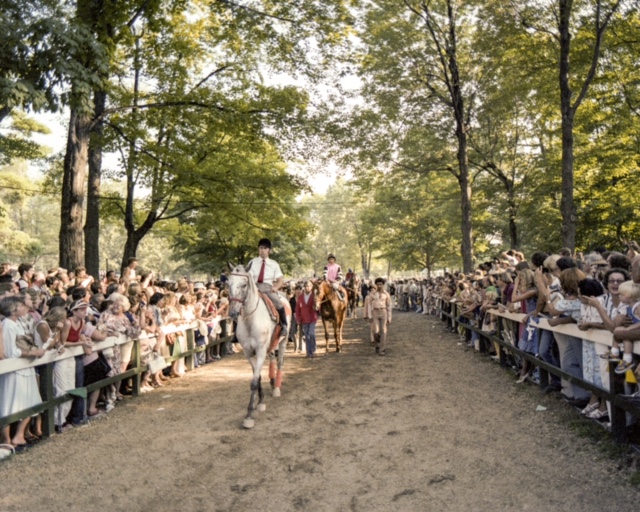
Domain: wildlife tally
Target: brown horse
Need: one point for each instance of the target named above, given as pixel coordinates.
(331, 309)
(352, 286)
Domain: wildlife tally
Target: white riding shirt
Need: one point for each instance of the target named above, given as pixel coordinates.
(271, 270)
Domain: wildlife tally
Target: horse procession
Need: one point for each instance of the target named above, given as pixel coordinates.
(263, 315)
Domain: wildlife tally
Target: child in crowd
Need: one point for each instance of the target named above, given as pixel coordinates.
(629, 296)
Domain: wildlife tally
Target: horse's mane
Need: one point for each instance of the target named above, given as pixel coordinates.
(325, 287)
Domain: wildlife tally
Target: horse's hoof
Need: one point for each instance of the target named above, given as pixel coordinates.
(248, 423)
(261, 407)
(276, 392)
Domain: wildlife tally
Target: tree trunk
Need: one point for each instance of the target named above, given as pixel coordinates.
(567, 205)
(465, 203)
(428, 265)
(457, 102)
(513, 210)
(75, 164)
(92, 224)
(134, 236)
(365, 258)
(130, 248)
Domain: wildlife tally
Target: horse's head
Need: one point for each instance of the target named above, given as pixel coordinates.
(320, 292)
(240, 284)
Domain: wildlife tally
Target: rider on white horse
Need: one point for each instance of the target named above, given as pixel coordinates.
(333, 274)
(269, 279)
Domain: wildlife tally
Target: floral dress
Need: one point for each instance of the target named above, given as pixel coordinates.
(120, 325)
(590, 360)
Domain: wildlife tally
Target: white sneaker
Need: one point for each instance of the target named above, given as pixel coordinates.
(109, 407)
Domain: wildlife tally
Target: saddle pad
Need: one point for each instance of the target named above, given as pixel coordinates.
(273, 312)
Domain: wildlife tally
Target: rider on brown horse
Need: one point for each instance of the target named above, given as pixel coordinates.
(333, 274)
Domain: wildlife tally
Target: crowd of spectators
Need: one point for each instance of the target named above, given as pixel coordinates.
(599, 290)
(56, 310)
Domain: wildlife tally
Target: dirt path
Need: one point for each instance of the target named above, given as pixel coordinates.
(428, 427)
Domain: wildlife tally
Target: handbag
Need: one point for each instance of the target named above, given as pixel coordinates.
(156, 363)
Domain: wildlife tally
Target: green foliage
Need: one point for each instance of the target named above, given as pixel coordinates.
(43, 48)
(15, 143)
(24, 203)
(203, 152)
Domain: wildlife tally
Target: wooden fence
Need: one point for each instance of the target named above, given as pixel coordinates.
(620, 406)
(47, 392)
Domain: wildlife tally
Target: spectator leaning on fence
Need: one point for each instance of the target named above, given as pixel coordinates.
(630, 297)
(568, 310)
(630, 333)
(591, 364)
(18, 389)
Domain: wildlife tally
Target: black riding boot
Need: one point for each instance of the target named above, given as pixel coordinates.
(283, 321)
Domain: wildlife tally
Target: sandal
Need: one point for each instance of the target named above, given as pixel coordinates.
(32, 439)
(590, 408)
(598, 414)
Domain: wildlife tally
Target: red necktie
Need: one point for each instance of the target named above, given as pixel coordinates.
(261, 274)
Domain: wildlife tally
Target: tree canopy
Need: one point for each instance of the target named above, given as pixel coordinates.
(476, 127)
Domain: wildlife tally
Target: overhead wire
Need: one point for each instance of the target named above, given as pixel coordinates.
(313, 204)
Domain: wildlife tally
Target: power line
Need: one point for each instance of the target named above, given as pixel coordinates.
(250, 203)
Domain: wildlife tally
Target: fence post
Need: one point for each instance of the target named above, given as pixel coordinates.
(191, 344)
(618, 415)
(137, 378)
(47, 393)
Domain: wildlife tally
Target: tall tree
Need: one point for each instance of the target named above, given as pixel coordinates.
(578, 29)
(419, 80)
(206, 97)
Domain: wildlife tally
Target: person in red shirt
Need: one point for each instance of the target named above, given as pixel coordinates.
(307, 316)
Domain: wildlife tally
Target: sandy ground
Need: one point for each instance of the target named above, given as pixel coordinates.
(428, 427)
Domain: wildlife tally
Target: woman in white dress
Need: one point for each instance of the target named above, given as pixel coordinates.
(18, 389)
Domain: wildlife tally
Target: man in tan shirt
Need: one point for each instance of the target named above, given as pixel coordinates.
(379, 313)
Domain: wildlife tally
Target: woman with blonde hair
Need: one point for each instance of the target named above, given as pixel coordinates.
(568, 310)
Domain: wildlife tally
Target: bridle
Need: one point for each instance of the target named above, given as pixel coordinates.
(320, 303)
(242, 301)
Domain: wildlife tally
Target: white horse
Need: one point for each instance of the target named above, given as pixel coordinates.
(254, 332)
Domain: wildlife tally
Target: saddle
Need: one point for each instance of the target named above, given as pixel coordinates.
(273, 311)
(275, 317)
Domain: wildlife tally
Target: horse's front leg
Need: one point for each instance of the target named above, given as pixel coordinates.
(248, 421)
(256, 389)
(336, 335)
(326, 335)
